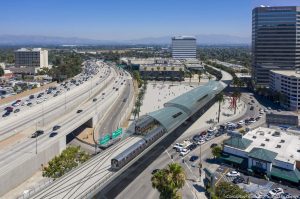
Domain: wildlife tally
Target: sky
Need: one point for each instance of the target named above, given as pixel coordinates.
(129, 19)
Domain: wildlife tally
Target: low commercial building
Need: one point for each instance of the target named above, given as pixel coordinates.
(157, 68)
(267, 152)
(287, 83)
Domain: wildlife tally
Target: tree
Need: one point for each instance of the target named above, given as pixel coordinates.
(165, 68)
(209, 77)
(216, 151)
(199, 76)
(181, 73)
(168, 181)
(229, 190)
(1, 71)
(220, 99)
(69, 158)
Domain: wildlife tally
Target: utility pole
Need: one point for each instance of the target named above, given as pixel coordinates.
(36, 138)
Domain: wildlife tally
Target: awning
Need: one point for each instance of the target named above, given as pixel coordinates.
(231, 158)
(289, 175)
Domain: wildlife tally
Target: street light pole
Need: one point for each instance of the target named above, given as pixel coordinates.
(36, 138)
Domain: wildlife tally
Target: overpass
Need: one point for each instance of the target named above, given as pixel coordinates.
(20, 161)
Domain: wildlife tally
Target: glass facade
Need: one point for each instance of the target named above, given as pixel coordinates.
(275, 41)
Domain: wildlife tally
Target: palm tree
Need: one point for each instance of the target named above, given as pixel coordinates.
(168, 181)
(165, 68)
(172, 75)
(209, 77)
(158, 69)
(181, 71)
(236, 94)
(190, 74)
(220, 99)
(199, 76)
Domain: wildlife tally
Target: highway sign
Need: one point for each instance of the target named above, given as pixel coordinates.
(116, 133)
(104, 139)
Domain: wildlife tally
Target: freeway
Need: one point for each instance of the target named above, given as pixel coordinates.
(15, 155)
(8, 156)
(47, 111)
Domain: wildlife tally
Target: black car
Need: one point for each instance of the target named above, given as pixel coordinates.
(6, 114)
(251, 108)
(55, 95)
(31, 96)
(238, 180)
(95, 99)
(192, 147)
(52, 134)
(37, 133)
(194, 158)
(79, 111)
(196, 138)
(154, 171)
(17, 110)
(56, 127)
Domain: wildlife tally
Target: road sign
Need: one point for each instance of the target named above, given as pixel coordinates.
(104, 139)
(116, 133)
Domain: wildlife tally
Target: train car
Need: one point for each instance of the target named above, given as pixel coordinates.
(123, 158)
(154, 135)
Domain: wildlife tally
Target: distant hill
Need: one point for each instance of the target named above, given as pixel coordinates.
(209, 39)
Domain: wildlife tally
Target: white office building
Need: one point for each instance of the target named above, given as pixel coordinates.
(184, 47)
(30, 60)
(287, 83)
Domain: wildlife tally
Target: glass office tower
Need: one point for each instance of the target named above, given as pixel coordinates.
(275, 41)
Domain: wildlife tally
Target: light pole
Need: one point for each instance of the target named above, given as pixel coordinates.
(36, 137)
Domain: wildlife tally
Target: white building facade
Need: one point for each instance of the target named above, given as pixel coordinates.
(30, 60)
(184, 47)
(287, 82)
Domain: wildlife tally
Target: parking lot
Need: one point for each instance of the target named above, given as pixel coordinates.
(257, 186)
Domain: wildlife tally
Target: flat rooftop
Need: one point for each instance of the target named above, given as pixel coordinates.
(291, 73)
(264, 138)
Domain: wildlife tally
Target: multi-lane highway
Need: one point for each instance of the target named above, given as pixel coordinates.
(108, 87)
(49, 110)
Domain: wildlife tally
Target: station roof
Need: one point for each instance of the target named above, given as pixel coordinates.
(169, 117)
(195, 99)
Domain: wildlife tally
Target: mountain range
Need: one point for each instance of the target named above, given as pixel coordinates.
(202, 39)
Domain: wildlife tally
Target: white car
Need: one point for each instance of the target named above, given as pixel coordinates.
(233, 174)
(184, 152)
(177, 146)
(276, 192)
(201, 142)
(241, 122)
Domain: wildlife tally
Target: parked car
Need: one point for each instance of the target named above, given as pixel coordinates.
(286, 196)
(17, 110)
(31, 96)
(193, 158)
(7, 113)
(233, 174)
(184, 152)
(95, 99)
(201, 142)
(192, 147)
(275, 192)
(79, 111)
(238, 180)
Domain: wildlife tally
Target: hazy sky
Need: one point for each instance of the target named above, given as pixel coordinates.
(129, 19)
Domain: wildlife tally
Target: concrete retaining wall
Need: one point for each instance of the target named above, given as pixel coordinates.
(25, 170)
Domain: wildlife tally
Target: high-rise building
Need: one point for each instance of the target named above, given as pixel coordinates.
(275, 41)
(183, 47)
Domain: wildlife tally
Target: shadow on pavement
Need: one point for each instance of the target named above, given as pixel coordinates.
(199, 188)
